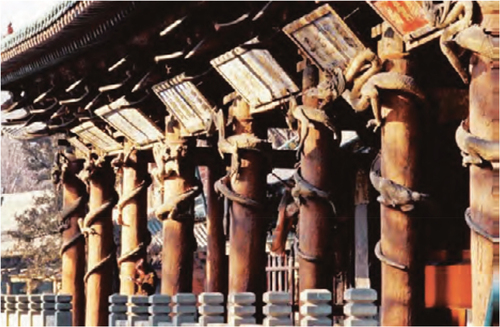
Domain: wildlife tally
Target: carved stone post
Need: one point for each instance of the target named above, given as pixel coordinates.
(101, 249)
(245, 186)
(133, 215)
(481, 142)
(3, 313)
(241, 309)
(184, 309)
(316, 307)
(75, 199)
(63, 315)
(117, 309)
(10, 310)
(402, 267)
(211, 308)
(138, 310)
(159, 309)
(175, 170)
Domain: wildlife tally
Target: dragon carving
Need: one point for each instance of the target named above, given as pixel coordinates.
(393, 194)
(455, 17)
(475, 150)
(366, 83)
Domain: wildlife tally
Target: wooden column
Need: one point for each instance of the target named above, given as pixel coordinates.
(73, 248)
(402, 297)
(361, 239)
(8, 284)
(100, 245)
(217, 265)
(315, 222)
(134, 216)
(178, 235)
(483, 123)
(247, 256)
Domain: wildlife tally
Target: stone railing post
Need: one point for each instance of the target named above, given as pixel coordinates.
(241, 309)
(10, 310)
(159, 310)
(360, 309)
(211, 308)
(48, 310)
(64, 315)
(316, 307)
(35, 307)
(4, 314)
(22, 307)
(138, 310)
(184, 308)
(277, 309)
(117, 310)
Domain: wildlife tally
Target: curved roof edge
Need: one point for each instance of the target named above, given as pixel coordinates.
(37, 26)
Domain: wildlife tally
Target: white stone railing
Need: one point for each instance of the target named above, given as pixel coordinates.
(36, 310)
(185, 309)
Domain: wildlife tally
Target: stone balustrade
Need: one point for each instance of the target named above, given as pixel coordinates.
(241, 309)
(117, 310)
(138, 310)
(185, 309)
(160, 310)
(36, 310)
(211, 308)
(360, 309)
(278, 309)
(316, 308)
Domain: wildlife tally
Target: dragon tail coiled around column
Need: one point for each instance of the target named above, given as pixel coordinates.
(223, 187)
(303, 190)
(305, 256)
(140, 250)
(477, 228)
(141, 188)
(381, 256)
(66, 215)
(476, 150)
(307, 115)
(62, 174)
(86, 227)
(233, 144)
(171, 208)
(393, 194)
